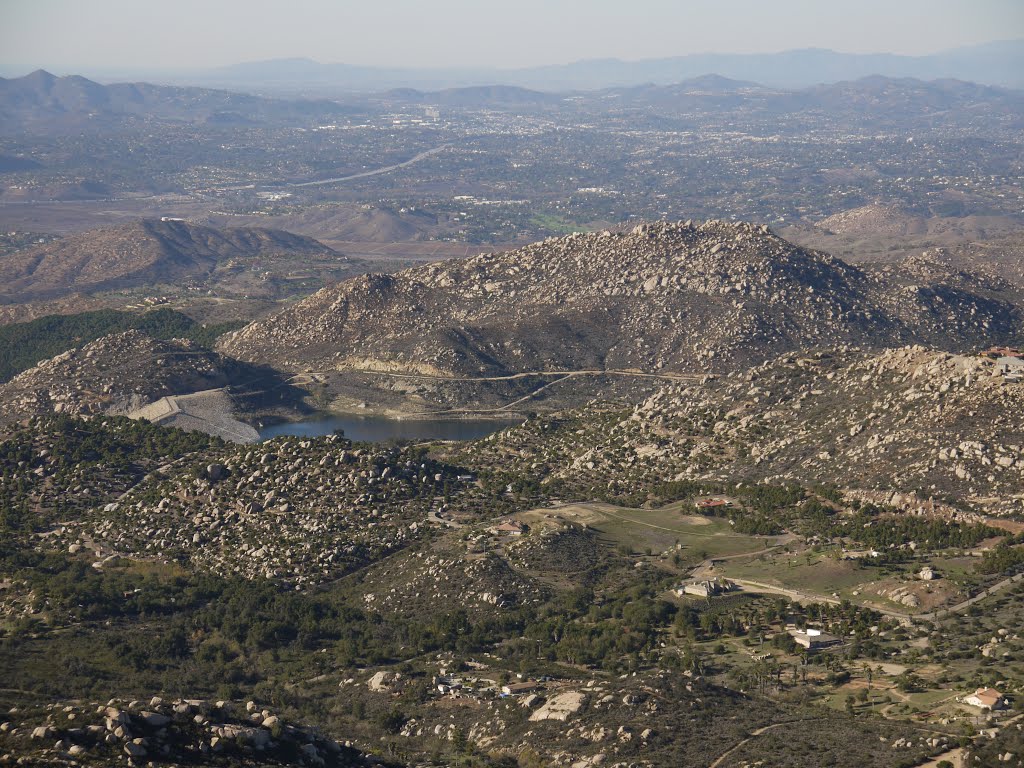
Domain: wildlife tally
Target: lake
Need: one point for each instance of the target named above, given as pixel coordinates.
(377, 429)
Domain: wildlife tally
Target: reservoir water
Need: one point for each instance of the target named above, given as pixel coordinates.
(377, 429)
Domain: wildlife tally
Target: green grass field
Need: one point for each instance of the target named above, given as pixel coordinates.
(814, 573)
(553, 223)
(662, 529)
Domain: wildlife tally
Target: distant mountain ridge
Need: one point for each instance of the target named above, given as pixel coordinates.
(140, 253)
(888, 93)
(876, 101)
(48, 104)
(874, 98)
(44, 102)
(997, 63)
(474, 95)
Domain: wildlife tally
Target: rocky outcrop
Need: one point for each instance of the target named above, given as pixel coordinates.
(115, 374)
(299, 511)
(907, 427)
(663, 297)
(560, 706)
(195, 731)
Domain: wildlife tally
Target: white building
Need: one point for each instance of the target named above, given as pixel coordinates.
(813, 639)
(705, 588)
(986, 698)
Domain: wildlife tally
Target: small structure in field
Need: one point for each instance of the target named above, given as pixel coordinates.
(712, 503)
(814, 639)
(705, 588)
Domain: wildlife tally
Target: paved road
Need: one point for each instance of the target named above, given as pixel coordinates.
(513, 376)
(306, 377)
(251, 185)
(375, 172)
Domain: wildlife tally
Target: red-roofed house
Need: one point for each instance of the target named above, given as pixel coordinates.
(986, 698)
(509, 528)
(713, 503)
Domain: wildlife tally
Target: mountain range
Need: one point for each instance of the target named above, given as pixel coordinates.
(865, 95)
(996, 63)
(41, 101)
(142, 253)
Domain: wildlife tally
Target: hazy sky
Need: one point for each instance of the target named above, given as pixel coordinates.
(91, 35)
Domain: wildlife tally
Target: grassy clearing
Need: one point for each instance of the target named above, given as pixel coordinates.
(658, 530)
(927, 700)
(555, 224)
(805, 572)
(961, 570)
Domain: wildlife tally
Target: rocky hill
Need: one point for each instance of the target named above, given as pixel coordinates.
(384, 581)
(885, 232)
(641, 720)
(680, 297)
(881, 102)
(910, 427)
(874, 219)
(303, 512)
(877, 96)
(142, 253)
(114, 374)
(43, 102)
(195, 731)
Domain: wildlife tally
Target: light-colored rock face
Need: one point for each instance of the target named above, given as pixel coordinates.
(670, 296)
(177, 731)
(114, 374)
(560, 706)
(210, 411)
(382, 681)
(155, 719)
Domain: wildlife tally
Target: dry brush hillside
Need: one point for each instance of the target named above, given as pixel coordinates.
(139, 254)
(664, 297)
(902, 421)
